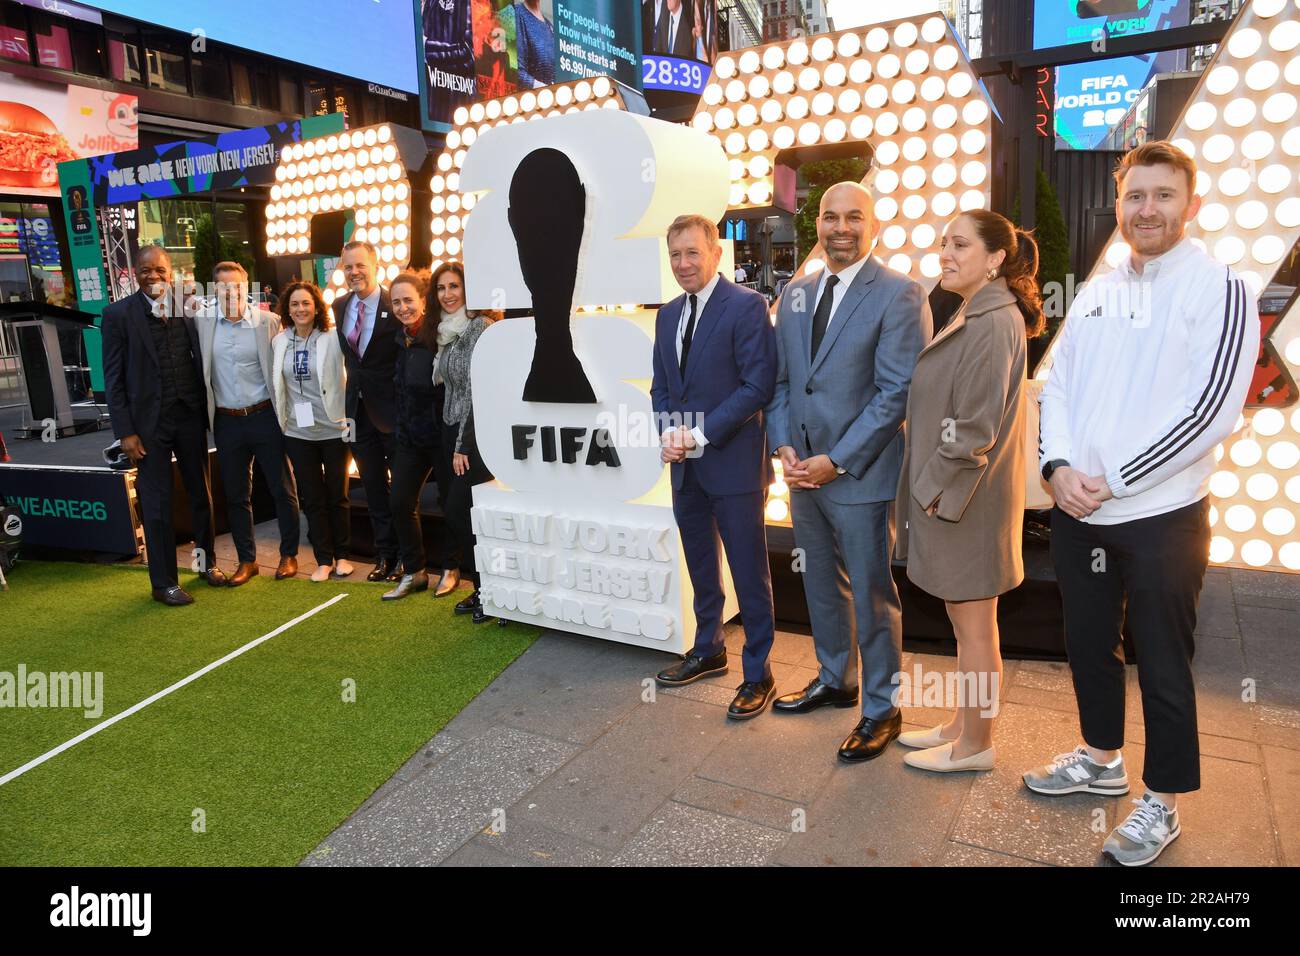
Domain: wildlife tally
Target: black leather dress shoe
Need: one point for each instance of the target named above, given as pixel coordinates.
(397, 572)
(752, 698)
(470, 605)
(815, 695)
(215, 577)
(173, 596)
(383, 568)
(691, 668)
(870, 738)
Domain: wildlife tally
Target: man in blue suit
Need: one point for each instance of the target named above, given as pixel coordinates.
(714, 371)
(848, 337)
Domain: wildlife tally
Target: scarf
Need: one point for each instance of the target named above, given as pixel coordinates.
(450, 327)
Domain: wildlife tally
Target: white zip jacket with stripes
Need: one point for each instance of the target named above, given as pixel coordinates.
(1149, 375)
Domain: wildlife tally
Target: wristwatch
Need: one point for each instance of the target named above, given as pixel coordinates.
(838, 469)
(1052, 465)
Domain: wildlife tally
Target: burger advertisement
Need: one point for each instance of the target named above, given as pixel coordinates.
(44, 124)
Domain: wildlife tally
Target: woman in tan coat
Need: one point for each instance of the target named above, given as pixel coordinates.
(961, 494)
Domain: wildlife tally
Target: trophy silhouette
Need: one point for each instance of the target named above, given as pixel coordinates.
(548, 206)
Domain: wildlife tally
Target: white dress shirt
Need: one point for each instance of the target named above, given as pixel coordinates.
(701, 300)
(372, 309)
(845, 277)
(237, 378)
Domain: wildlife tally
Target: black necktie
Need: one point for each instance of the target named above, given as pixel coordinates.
(822, 317)
(686, 339)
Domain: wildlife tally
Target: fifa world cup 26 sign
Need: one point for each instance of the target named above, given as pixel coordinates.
(577, 531)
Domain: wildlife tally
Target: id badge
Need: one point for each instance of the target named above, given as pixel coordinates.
(300, 364)
(302, 414)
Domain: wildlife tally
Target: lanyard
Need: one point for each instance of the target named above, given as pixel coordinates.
(300, 361)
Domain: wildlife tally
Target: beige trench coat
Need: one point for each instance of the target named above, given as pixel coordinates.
(966, 451)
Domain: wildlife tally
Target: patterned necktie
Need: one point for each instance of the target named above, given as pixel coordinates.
(354, 337)
(686, 338)
(822, 317)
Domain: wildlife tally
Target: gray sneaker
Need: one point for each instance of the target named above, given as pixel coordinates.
(1075, 772)
(1144, 835)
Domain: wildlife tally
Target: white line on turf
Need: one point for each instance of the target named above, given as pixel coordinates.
(102, 725)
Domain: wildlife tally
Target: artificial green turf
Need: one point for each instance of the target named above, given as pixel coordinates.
(264, 745)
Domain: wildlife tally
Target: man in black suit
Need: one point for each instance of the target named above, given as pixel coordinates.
(367, 333)
(674, 33)
(153, 381)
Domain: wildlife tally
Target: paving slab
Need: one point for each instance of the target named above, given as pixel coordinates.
(678, 835)
(879, 813)
(733, 801)
(959, 854)
(537, 845)
(789, 756)
(426, 820)
(607, 791)
(1282, 777)
(1265, 583)
(475, 854)
(1269, 639)
(566, 686)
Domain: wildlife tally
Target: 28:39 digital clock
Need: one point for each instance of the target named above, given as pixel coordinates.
(673, 73)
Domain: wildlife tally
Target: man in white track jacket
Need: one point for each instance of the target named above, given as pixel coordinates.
(1150, 374)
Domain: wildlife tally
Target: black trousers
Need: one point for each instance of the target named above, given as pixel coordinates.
(372, 450)
(240, 441)
(412, 465)
(459, 500)
(1148, 572)
(321, 470)
(184, 433)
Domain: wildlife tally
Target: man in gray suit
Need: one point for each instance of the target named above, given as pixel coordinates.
(848, 337)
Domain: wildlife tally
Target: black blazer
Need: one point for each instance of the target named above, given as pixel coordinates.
(132, 381)
(371, 377)
(684, 41)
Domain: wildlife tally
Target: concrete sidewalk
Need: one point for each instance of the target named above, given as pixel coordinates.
(568, 758)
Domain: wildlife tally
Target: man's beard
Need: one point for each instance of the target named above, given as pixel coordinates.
(1163, 239)
(844, 254)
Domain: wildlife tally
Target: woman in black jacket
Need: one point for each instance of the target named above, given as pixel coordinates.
(418, 433)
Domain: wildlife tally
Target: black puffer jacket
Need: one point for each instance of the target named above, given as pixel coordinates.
(417, 406)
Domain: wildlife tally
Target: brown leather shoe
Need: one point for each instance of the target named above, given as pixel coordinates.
(449, 582)
(242, 573)
(288, 567)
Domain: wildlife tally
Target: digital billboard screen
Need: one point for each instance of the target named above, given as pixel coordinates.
(679, 42)
(1062, 22)
(372, 40)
